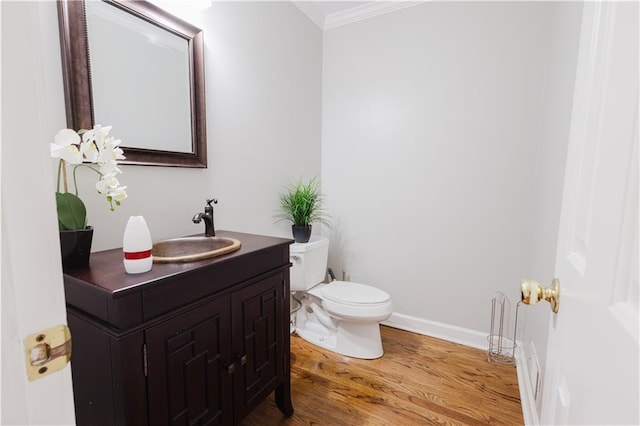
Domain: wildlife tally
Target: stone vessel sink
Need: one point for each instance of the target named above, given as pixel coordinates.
(189, 249)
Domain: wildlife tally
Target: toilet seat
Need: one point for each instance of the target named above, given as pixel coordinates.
(350, 293)
(354, 302)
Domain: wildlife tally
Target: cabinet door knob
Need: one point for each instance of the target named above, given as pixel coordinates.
(231, 368)
(243, 360)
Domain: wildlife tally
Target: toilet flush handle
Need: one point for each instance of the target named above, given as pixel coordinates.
(295, 257)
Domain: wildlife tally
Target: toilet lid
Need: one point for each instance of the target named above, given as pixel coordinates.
(354, 293)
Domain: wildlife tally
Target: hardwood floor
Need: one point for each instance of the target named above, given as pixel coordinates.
(419, 380)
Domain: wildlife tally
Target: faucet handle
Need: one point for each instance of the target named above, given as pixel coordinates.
(213, 200)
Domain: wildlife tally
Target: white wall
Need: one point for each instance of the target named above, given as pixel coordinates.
(263, 96)
(431, 129)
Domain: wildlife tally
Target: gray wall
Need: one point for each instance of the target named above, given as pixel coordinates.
(431, 126)
(263, 65)
(445, 129)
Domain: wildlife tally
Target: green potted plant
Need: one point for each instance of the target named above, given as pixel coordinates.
(301, 204)
(98, 151)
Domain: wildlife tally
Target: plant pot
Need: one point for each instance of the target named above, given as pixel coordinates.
(301, 234)
(75, 247)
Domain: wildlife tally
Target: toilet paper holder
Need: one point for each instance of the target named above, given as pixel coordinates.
(501, 348)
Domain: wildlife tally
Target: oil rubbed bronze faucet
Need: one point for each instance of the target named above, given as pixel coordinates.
(209, 230)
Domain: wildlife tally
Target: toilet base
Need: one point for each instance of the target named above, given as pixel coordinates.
(349, 338)
(318, 339)
(359, 340)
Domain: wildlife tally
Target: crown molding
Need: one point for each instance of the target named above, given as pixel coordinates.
(311, 11)
(355, 14)
(366, 11)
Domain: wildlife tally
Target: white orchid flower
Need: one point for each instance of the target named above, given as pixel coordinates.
(118, 193)
(118, 153)
(98, 134)
(105, 156)
(90, 151)
(104, 130)
(65, 146)
(101, 134)
(110, 150)
(110, 168)
(107, 183)
(112, 145)
(89, 136)
(92, 146)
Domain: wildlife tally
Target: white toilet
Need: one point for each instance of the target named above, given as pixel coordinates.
(341, 316)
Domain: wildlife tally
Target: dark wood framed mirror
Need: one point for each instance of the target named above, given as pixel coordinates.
(133, 66)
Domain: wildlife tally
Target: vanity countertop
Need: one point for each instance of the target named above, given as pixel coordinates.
(107, 292)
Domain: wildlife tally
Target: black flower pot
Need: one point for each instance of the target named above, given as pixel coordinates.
(76, 247)
(301, 234)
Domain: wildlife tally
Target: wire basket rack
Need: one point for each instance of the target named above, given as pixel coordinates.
(502, 348)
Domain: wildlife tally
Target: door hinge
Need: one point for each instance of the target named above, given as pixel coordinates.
(145, 366)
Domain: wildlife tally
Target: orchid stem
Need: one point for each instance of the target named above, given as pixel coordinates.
(59, 174)
(63, 165)
(75, 180)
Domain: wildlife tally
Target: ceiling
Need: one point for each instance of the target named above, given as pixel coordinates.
(327, 14)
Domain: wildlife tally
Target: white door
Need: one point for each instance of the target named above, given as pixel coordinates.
(32, 289)
(592, 358)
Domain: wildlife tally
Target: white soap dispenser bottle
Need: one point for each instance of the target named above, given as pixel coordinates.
(136, 246)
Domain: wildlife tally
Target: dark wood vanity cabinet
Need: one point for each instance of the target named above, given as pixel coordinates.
(188, 363)
(197, 343)
(195, 361)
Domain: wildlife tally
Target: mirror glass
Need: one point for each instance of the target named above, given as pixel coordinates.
(117, 69)
(139, 69)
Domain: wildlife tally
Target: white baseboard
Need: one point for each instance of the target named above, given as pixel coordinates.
(474, 339)
(451, 333)
(527, 398)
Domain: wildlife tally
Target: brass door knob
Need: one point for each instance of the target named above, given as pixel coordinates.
(533, 292)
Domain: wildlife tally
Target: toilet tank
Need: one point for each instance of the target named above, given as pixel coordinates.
(309, 263)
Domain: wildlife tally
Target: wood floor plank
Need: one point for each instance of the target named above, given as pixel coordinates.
(420, 380)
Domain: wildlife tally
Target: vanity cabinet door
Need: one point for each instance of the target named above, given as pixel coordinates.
(258, 340)
(188, 375)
